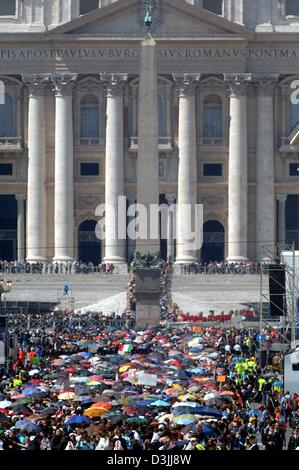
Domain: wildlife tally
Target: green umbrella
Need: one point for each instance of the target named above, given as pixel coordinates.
(137, 420)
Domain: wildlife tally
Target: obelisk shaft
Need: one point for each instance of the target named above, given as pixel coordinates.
(148, 152)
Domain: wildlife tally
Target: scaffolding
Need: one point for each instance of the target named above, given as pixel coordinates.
(287, 322)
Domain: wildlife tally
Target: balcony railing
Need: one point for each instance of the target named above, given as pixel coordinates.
(165, 143)
(212, 141)
(10, 143)
(91, 141)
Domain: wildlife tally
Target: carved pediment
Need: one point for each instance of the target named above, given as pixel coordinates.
(174, 18)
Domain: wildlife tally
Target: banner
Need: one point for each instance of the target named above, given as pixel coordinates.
(147, 379)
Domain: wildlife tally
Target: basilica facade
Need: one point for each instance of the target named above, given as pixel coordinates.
(69, 73)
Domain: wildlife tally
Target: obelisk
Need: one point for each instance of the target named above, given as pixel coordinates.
(148, 153)
(147, 288)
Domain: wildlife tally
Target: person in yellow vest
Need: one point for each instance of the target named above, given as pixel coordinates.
(261, 383)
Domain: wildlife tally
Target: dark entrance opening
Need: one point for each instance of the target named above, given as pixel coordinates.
(8, 227)
(292, 220)
(213, 242)
(163, 241)
(89, 245)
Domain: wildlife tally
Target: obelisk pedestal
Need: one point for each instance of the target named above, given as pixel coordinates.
(147, 293)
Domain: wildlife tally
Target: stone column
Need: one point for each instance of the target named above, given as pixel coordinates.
(36, 190)
(265, 198)
(187, 172)
(237, 178)
(115, 252)
(64, 149)
(131, 198)
(282, 198)
(20, 226)
(170, 198)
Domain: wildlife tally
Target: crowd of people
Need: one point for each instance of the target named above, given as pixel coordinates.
(106, 388)
(222, 267)
(75, 267)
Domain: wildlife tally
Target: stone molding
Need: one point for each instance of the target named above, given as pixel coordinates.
(114, 83)
(186, 83)
(64, 83)
(265, 84)
(238, 83)
(36, 84)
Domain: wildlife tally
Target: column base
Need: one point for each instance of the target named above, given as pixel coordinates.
(63, 259)
(236, 259)
(36, 259)
(120, 266)
(178, 265)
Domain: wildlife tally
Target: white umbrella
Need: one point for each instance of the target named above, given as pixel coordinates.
(209, 399)
(33, 372)
(5, 404)
(190, 404)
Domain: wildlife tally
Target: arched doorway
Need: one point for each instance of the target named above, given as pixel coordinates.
(213, 242)
(89, 249)
(8, 227)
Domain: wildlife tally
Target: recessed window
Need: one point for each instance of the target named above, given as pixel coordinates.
(292, 8)
(7, 7)
(6, 169)
(88, 5)
(214, 6)
(162, 169)
(7, 127)
(212, 169)
(90, 117)
(89, 169)
(294, 169)
(212, 116)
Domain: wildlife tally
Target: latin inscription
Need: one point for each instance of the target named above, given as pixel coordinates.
(133, 53)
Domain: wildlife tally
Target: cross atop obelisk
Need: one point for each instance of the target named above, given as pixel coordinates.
(148, 19)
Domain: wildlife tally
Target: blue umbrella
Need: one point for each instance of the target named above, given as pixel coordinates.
(33, 393)
(85, 354)
(207, 430)
(159, 403)
(207, 411)
(27, 425)
(78, 419)
(86, 401)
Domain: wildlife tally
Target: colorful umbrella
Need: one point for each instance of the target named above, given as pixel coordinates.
(77, 420)
(95, 412)
(184, 419)
(66, 395)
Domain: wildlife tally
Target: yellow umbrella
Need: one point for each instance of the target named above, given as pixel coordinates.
(95, 412)
(124, 368)
(93, 382)
(66, 395)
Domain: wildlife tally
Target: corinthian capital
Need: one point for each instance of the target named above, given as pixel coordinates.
(186, 82)
(64, 83)
(238, 83)
(114, 82)
(36, 84)
(265, 84)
